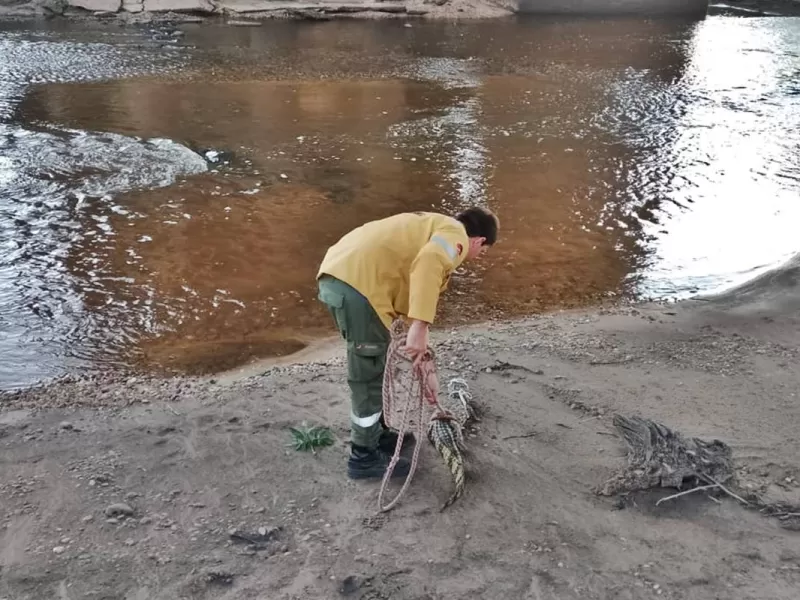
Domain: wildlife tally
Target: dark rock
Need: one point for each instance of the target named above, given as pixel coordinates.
(219, 578)
(119, 510)
(349, 586)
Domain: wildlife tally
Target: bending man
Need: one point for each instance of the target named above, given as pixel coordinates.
(383, 270)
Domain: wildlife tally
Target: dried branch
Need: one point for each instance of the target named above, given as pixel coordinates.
(687, 492)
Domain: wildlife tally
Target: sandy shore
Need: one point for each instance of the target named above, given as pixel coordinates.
(193, 459)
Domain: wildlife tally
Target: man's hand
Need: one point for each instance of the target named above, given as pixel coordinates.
(417, 340)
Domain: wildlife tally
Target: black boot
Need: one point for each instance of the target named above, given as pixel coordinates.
(388, 442)
(372, 464)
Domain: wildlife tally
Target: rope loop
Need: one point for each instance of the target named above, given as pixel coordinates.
(421, 388)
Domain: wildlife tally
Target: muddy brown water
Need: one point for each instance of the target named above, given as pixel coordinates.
(165, 198)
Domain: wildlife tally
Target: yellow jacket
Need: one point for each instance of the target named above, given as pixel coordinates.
(400, 264)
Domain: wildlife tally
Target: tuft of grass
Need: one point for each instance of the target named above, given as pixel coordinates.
(305, 438)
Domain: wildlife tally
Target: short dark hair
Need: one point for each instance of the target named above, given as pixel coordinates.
(480, 222)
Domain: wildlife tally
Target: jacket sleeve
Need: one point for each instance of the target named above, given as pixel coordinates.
(429, 272)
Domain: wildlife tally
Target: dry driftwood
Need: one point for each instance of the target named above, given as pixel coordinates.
(660, 457)
(788, 515)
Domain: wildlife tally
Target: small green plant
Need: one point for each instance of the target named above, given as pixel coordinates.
(305, 438)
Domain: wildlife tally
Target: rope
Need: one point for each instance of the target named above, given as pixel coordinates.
(423, 389)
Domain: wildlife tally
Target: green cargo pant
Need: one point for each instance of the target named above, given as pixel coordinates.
(367, 342)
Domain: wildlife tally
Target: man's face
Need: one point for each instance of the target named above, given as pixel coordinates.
(476, 247)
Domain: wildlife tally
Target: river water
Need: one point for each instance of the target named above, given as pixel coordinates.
(165, 198)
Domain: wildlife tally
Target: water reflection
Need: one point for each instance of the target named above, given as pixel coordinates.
(715, 187)
(591, 139)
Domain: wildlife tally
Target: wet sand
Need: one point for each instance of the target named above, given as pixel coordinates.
(194, 458)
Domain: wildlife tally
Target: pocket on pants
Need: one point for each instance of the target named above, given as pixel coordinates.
(331, 298)
(334, 302)
(366, 360)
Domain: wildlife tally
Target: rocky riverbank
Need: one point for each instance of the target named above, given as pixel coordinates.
(251, 12)
(186, 487)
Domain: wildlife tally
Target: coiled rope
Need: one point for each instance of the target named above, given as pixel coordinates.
(410, 402)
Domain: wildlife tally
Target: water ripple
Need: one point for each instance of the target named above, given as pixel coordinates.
(622, 156)
(56, 191)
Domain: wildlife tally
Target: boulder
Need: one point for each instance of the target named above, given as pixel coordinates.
(179, 6)
(96, 5)
(133, 6)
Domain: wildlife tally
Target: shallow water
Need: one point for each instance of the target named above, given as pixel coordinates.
(165, 199)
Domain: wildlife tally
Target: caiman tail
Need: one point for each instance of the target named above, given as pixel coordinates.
(445, 435)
